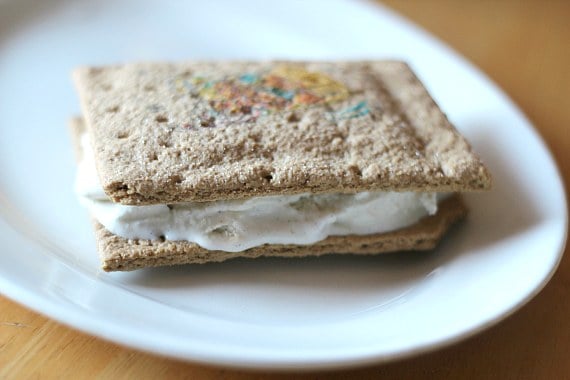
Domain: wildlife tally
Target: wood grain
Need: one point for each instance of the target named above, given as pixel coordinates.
(525, 47)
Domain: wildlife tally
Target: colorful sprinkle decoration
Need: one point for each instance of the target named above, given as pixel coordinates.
(287, 87)
(360, 109)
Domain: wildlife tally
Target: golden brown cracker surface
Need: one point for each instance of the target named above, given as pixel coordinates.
(202, 131)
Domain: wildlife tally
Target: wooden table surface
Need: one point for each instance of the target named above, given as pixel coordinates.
(522, 45)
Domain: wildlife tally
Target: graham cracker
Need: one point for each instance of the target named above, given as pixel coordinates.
(167, 133)
(119, 254)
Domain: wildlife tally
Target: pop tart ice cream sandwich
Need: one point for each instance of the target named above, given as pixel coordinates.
(201, 162)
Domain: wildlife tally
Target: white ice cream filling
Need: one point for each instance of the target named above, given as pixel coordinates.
(237, 225)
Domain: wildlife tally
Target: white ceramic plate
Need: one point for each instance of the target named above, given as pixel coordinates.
(266, 313)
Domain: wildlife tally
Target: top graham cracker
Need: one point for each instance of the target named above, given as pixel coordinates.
(203, 131)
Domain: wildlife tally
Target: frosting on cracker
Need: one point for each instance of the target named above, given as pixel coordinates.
(237, 225)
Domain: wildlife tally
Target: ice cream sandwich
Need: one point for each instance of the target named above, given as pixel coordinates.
(205, 161)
